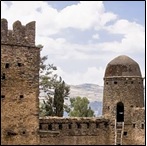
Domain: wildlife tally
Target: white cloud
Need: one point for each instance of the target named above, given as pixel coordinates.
(82, 17)
(91, 75)
(95, 36)
(133, 40)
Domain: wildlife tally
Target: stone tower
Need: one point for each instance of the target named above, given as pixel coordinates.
(19, 84)
(123, 89)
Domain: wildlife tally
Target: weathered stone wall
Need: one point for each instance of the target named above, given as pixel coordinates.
(19, 85)
(128, 90)
(138, 124)
(134, 133)
(68, 131)
(20, 123)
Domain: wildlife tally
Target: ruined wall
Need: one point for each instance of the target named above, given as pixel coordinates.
(19, 84)
(68, 131)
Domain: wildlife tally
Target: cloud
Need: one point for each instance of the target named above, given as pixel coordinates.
(95, 36)
(91, 75)
(84, 16)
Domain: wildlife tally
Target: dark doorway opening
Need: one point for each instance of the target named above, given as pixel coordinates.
(120, 112)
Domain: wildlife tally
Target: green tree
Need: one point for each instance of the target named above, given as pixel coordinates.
(79, 107)
(55, 89)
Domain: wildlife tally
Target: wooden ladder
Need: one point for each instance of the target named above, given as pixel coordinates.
(119, 129)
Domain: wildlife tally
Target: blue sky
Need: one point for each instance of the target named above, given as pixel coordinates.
(81, 38)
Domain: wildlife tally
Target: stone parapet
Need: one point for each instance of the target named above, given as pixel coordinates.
(20, 35)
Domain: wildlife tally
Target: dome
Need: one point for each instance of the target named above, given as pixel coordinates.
(122, 66)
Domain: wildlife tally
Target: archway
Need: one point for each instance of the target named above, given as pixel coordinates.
(120, 112)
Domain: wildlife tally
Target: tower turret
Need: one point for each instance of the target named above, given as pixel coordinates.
(123, 88)
(19, 84)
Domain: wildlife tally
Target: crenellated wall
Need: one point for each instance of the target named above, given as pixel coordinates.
(20, 35)
(68, 131)
(21, 125)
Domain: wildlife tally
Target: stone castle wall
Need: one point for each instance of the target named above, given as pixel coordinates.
(74, 131)
(122, 89)
(20, 122)
(19, 84)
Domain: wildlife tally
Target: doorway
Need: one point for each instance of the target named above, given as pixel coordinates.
(120, 112)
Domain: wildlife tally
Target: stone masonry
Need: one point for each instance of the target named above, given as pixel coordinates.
(19, 84)
(123, 99)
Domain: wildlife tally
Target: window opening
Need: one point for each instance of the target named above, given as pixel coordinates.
(97, 125)
(21, 96)
(142, 126)
(40, 126)
(60, 126)
(2, 96)
(50, 127)
(120, 112)
(19, 64)
(7, 65)
(78, 125)
(88, 125)
(69, 126)
(125, 133)
(115, 82)
(133, 125)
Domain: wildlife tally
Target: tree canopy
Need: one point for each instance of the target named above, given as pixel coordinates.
(55, 88)
(79, 107)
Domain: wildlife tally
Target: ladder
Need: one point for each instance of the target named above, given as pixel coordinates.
(119, 129)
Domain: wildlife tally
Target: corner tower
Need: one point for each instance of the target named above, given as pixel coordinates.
(123, 88)
(19, 84)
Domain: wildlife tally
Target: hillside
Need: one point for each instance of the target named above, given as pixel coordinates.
(92, 91)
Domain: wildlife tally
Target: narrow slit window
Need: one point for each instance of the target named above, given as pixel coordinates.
(97, 125)
(133, 125)
(50, 127)
(142, 126)
(78, 125)
(60, 126)
(106, 125)
(40, 126)
(69, 126)
(132, 82)
(88, 125)
(7, 65)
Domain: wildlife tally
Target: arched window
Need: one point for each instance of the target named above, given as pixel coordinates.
(120, 112)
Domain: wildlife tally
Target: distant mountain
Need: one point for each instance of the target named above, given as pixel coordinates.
(96, 106)
(92, 91)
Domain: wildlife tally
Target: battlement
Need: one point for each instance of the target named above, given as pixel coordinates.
(20, 35)
(72, 126)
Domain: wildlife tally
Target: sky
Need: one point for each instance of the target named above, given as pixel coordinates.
(82, 37)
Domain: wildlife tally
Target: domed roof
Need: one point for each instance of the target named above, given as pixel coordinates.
(122, 66)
